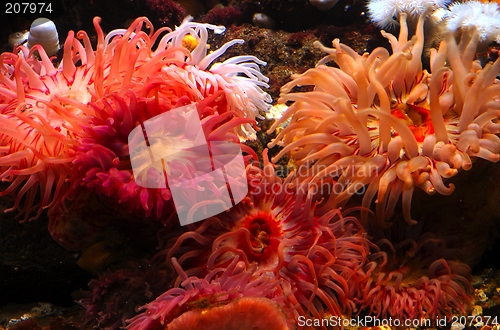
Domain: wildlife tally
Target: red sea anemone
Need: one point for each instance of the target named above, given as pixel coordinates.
(67, 126)
(103, 164)
(238, 291)
(274, 228)
(260, 228)
(381, 125)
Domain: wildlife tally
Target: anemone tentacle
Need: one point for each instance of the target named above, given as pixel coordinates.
(425, 127)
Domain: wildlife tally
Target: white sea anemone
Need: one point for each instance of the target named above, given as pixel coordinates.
(385, 13)
(482, 16)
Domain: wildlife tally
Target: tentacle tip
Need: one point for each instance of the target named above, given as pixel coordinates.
(410, 221)
(274, 159)
(467, 166)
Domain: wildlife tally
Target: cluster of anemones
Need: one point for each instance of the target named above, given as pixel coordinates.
(446, 15)
(66, 127)
(385, 13)
(472, 14)
(319, 265)
(378, 121)
(381, 125)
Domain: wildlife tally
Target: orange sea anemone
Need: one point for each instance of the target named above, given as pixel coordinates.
(87, 105)
(380, 125)
(246, 313)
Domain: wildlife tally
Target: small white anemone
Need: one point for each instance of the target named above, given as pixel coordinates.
(482, 16)
(385, 13)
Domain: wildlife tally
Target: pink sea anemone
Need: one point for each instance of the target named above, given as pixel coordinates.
(239, 288)
(325, 274)
(80, 112)
(40, 125)
(380, 125)
(413, 280)
(317, 257)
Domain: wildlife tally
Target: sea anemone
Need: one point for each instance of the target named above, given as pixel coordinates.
(258, 228)
(385, 14)
(478, 15)
(67, 126)
(41, 123)
(379, 122)
(414, 280)
(325, 274)
(239, 288)
(227, 94)
(246, 313)
(274, 228)
(103, 161)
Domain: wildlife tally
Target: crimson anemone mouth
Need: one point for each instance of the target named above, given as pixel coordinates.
(265, 237)
(261, 228)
